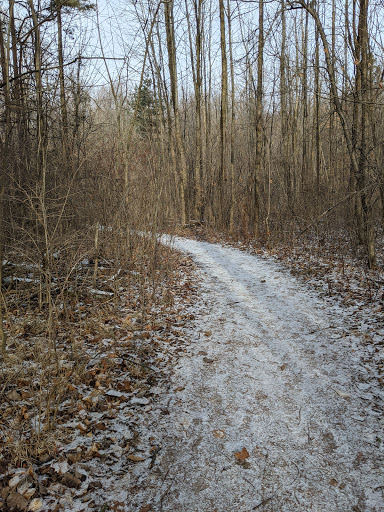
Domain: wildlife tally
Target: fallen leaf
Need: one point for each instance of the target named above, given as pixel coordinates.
(14, 481)
(13, 395)
(100, 426)
(219, 434)
(283, 367)
(208, 333)
(333, 482)
(342, 394)
(242, 455)
(74, 457)
(29, 493)
(35, 505)
(71, 481)
(135, 458)
(16, 502)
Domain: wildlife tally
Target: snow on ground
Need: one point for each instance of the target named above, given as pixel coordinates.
(274, 370)
(270, 408)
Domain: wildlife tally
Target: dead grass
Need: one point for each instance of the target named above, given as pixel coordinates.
(43, 382)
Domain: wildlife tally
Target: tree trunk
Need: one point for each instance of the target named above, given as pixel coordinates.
(304, 160)
(63, 103)
(222, 206)
(171, 47)
(358, 158)
(4, 149)
(259, 118)
(316, 119)
(286, 165)
(232, 128)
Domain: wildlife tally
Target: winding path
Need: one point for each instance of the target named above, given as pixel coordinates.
(272, 368)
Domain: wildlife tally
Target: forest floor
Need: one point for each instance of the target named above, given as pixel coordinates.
(256, 390)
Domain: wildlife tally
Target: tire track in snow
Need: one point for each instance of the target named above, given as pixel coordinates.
(273, 377)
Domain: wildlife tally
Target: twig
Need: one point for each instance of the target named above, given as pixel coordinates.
(266, 500)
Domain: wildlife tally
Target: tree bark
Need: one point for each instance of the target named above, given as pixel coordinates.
(63, 103)
(232, 127)
(171, 47)
(259, 118)
(222, 207)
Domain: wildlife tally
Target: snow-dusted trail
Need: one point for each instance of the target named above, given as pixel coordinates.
(272, 369)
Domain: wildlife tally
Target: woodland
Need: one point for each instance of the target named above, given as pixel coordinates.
(244, 121)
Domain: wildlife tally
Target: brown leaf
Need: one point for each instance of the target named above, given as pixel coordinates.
(16, 501)
(135, 458)
(71, 481)
(100, 426)
(283, 367)
(242, 455)
(74, 457)
(13, 395)
(333, 482)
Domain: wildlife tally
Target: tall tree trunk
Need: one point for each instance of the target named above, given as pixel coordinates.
(208, 167)
(304, 160)
(316, 119)
(284, 110)
(259, 118)
(18, 106)
(196, 58)
(4, 152)
(171, 47)
(362, 93)
(232, 127)
(39, 99)
(222, 206)
(332, 146)
(63, 103)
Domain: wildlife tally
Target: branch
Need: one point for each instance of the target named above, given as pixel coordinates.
(50, 68)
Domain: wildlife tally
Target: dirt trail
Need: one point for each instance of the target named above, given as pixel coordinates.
(272, 369)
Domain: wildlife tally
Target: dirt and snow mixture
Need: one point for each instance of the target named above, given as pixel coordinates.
(276, 410)
(270, 408)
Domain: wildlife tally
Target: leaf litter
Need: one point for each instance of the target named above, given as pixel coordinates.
(71, 423)
(262, 425)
